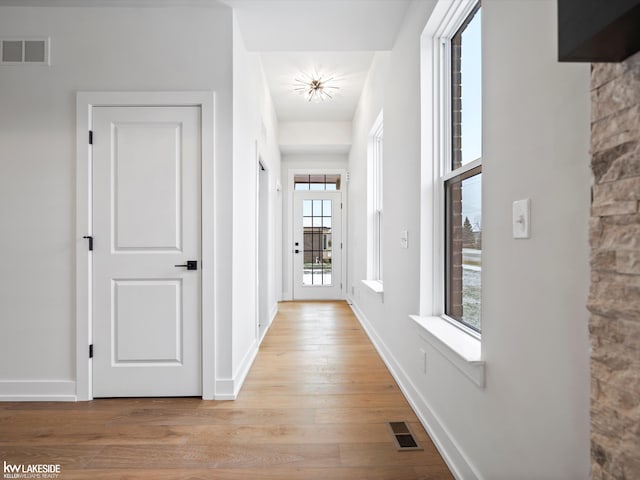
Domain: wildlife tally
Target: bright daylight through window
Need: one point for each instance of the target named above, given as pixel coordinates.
(374, 194)
(463, 177)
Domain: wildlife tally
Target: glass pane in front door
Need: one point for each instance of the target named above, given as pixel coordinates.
(316, 241)
(317, 247)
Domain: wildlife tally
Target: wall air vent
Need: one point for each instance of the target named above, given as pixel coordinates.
(27, 51)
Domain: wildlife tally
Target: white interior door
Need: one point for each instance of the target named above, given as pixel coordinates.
(317, 245)
(146, 222)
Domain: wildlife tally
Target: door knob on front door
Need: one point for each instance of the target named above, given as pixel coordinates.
(190, 265)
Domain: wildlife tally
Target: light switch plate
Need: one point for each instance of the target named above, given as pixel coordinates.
(404, 239)
(522, 218)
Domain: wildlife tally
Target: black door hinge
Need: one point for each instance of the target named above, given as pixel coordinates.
(90, 238)
(90, 137)
(91, 351)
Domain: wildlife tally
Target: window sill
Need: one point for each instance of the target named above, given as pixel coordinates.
(460, 348)
(374, 285)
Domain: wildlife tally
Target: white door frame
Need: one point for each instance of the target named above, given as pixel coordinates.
(291, 173)
(312, 291)
(85, 102)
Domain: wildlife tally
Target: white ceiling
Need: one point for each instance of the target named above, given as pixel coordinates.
(348, 68)
(319, 25)
(327, 36)
(337, 37)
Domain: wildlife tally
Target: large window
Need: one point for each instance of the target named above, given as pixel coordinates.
(374, 195)
(462, 175)
(451, 185)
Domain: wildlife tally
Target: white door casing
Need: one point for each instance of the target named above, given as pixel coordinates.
(86, 103)
(263, 208)
(317, 245)
(146, 221)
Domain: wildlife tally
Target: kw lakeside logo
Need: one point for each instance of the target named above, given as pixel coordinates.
(36, 470)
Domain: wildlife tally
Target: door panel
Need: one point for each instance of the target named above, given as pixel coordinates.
(146, 223)
(317, 257)
(163, 303)
(152, 221)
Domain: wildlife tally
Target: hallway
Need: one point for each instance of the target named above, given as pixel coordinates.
(314, 406)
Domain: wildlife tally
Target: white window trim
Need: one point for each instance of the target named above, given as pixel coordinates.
(375, 207)
(462, 347)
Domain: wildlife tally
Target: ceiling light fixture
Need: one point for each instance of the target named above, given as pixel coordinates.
(315, 87)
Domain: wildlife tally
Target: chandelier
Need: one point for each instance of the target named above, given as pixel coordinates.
(315, 86)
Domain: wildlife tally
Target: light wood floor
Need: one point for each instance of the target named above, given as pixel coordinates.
(314, 406)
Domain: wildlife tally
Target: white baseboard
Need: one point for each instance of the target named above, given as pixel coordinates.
(37, 391)
(245, 366)
(457, 462)
(272, 316)
(228, 389)
(224, 389)
(65, 391)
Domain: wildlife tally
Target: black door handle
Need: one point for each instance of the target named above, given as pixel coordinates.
(296, 251)
(190, 265)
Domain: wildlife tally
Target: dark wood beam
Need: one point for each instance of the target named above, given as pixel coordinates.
(598, 30)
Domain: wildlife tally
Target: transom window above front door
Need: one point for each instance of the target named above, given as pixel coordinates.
(316, 182)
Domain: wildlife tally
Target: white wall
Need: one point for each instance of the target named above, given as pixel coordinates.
(301, 161)
(92, 49)
(369, 107)
(255, 132)
(302, 137)
(531, 421)
(536, 343)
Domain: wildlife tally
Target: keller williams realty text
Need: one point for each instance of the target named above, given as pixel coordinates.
(34, 468)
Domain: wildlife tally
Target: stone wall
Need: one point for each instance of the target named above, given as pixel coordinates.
(614, 299)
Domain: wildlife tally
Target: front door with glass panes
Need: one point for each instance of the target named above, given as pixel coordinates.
(317, 245)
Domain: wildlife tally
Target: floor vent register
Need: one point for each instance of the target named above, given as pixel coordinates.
(403, 437)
